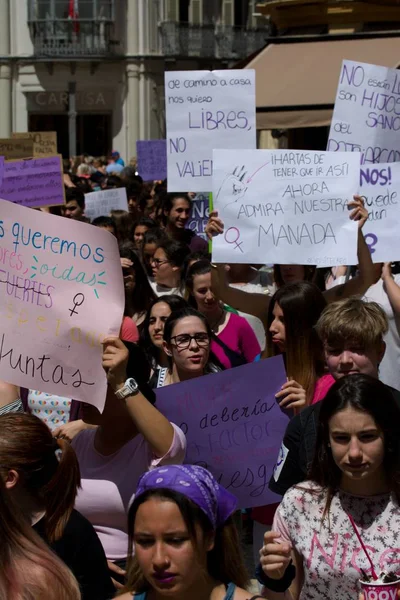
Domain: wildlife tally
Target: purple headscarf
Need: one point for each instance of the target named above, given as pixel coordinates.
(197, 484)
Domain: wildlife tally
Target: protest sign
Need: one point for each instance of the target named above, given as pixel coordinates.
(380, 188)
(44, 142)
(285, 206)
(233, 425)
(61, 293)
(206, 110)
(152, 159)
(12, 148)
(33, 182)
(98, 204)
(366, 117)
(199, 215)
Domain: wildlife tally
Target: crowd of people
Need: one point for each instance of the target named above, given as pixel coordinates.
(99, 505)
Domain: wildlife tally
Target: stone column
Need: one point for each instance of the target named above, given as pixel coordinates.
(5, 71)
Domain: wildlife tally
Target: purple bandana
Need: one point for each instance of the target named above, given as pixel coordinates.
(197, 484)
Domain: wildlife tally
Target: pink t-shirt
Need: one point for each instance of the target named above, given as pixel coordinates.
(109, 484)
(129, 331)
(322, 387)
(332, 555)
(239, 336)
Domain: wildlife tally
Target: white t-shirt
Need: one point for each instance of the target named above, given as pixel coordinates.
(162, 290)
(333, 558)
(51, 409)
(389, 369)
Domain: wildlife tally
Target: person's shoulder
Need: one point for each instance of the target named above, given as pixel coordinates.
(241, 594)
(305, 489)
(395, 393)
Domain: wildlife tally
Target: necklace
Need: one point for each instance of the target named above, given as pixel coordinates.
(214, 326)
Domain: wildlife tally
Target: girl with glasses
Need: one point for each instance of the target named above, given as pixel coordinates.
(167, 264)
(187, 339)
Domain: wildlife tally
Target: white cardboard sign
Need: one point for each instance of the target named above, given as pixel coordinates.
(206, 110)
(285, 206)
(366, 117)
(99, 204)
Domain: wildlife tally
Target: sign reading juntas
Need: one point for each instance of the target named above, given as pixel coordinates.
(12, 148)
(380, 188)
(206, 110)
(366, 117)
(152, 159)
(61, 293)
(44, 142)
(285, 206)
(98, 204)
(199, 215)
(233, 424)
(33, 182)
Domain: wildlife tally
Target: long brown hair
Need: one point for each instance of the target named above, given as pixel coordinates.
(224, 562)
(368, 395)
(29, 569)
(302, 304)
(27, 446)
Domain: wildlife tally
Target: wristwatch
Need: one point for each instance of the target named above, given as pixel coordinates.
(130, 387)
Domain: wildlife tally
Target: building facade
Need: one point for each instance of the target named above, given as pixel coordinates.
(94, 69)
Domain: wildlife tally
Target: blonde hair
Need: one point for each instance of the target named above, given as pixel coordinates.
(29, 569)
(352, 320)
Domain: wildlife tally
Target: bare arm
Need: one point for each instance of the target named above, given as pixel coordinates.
(8, 393)
(391, 287)
(155, 428)
(366, 272)
(253, 304)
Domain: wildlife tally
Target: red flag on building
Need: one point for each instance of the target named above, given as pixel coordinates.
(73, 14)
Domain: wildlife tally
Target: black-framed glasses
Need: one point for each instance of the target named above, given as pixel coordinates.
(158, 261)
(184, 340)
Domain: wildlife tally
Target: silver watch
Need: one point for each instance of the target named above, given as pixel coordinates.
(130, 387)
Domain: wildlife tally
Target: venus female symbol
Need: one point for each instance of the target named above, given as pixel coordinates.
(230, 235)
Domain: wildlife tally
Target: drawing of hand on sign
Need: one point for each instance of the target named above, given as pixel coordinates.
(233, 186)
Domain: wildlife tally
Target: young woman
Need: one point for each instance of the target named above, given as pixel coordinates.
(138, 292)
(151, 239)
(41, 477)
(185, 541)
(28, 567)
(139, 229)
(355, 472)
(167, 264)
(233, 342)
(257, 304)
(292, 315)
(131, 437)
(187, 341)
(153, 328)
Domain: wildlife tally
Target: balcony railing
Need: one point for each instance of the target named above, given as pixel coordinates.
(210, 41)
(67, 38)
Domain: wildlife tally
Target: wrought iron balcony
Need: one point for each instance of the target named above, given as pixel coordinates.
(66, 38)
(210, 41)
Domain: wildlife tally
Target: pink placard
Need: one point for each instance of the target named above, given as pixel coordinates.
(61, 293)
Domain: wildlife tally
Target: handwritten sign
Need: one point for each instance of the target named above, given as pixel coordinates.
(199, 215)
(206, 110)
(366, 117)
(98, 204)
(61, 293)
(12, 148)
(285, 206)
(233, 424)
(380, 188)
(34, 182)
(44, 142)
(152, 159)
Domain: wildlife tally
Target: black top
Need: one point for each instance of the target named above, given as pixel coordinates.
(298, 446)
(81, 550)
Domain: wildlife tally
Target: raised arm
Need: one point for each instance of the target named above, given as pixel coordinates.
(391, 287)
(366, 276)
(155, 428)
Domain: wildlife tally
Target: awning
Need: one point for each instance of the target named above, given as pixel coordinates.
(296, 82)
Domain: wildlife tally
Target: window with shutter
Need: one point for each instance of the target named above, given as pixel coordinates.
(196, 12)
(228, 12)
(172, 10)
